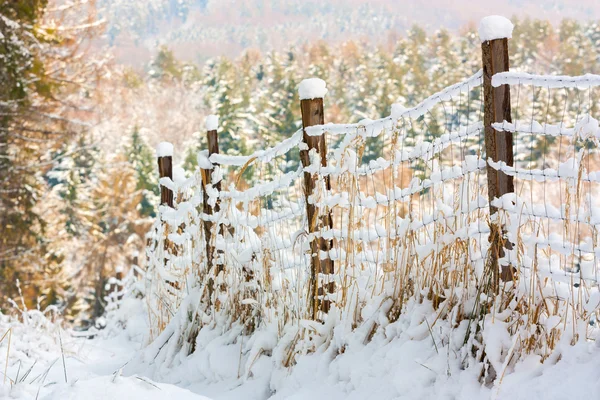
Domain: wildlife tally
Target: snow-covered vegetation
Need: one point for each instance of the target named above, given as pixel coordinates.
(105, 293)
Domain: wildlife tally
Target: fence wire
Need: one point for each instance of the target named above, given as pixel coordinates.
(408, 201)
(554, 210)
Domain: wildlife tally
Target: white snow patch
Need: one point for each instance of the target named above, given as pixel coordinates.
(119, 387)
(164, 149)
(397, 111)
(179, 175)
(495, 27)
(203, 161)
(313, 88)
(212, 123)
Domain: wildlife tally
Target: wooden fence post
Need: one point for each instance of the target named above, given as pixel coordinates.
(494, 34)
(165, 170)
(119, 284)
(213, 148)
(311, 93)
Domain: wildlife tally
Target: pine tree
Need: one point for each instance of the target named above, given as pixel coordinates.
(38, 98)
(142, 160)
(21, 227)
(224, 95)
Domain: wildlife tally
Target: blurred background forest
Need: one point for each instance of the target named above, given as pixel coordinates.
(88, 88)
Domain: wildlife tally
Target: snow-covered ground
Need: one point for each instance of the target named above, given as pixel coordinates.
(405, 360)
(40, 360)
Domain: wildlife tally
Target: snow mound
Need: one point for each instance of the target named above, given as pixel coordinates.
(164, 149)
(118, 387)
(313, 88)
(495, 27)
(212, 123)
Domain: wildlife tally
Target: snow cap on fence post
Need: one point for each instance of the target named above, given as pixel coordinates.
(164, 149)
(212, 123)
(495, 27)
(312, 88)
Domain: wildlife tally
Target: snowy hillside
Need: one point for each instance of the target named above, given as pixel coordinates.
(200, 29)
(401, 362)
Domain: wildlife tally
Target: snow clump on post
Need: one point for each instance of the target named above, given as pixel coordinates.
(212, 123)
(313, 88)
(495, 27)
(164, 149)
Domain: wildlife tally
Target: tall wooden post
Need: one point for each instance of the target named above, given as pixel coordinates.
(313, 114)
(119, 284)
(213, 148)
(498, 144)
(165, 170)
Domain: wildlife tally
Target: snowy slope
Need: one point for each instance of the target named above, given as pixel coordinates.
(400, 362)
(38, 366)
(115, 387)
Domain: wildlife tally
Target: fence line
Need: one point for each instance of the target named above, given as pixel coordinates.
(407, 205)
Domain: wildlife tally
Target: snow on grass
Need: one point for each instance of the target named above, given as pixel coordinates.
(416, 357)
(41, 359)
(419, 356)
(119, 387)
